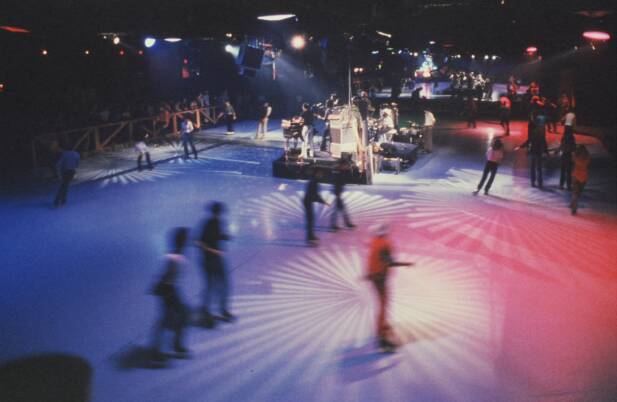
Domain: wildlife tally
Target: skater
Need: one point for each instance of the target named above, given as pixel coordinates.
(567, 147)
(66, 165)
(569, 120)
(379, 264)
(341, 174)
(217, 279)
(142, 149)
(311, 195)
(505, 109)
(262, 127)
(494, 155)
(307, 131)
(536, 147)
(174, 312)
(229, 113)
(429, 122)
(581, 161)
(472, 112)
(187, 137)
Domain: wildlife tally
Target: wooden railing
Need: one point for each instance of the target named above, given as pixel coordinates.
(93, 139)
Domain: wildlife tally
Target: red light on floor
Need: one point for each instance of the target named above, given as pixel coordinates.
(14, 29)
(596, 35)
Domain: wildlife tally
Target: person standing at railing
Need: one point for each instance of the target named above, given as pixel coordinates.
(186, 127)
(66, 165)
(229, 114)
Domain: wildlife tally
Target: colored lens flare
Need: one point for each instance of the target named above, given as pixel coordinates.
(597, 35)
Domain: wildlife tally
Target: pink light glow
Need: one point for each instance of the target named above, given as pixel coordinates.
(532, 49)
(596, 35)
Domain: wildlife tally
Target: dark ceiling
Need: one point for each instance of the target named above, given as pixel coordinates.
(482, 25)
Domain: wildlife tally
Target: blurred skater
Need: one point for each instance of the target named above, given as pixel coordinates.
(312, 195)
(66, 165)
(142, 149)
(217, 279)
(567, 147)
(341, 175)
(262, 127)
(187, 129)
(581, 159)
(174, 312)
(536, 147)
(379, 264)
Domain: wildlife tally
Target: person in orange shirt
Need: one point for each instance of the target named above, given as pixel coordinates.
(581, 160)
(379, 264)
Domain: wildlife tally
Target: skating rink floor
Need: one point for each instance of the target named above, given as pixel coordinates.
(511, 298)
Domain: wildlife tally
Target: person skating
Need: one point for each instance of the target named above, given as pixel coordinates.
(581, 160)
(174, 312)
(187, 128)
(379, 264)
(494, 155)
(536, 148)
(229, 114)
(505, 111)
(217, 279)
(567, 147)
(312, 195)
(142, 149)
(341, 174)
(67, 166)
(262, 127)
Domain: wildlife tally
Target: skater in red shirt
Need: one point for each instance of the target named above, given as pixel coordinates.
(379, 263)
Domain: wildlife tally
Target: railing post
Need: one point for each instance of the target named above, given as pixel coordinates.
(197, 118)
(174, 123)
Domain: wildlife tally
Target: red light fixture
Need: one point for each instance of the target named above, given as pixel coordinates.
(140, 52)
(121, 53)
(531, 50)
(12, 29)
(596, 36)
(185, 61)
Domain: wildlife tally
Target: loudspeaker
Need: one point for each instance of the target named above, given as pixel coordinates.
(251, 57)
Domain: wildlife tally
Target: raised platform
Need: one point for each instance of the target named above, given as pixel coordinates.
(292, 168)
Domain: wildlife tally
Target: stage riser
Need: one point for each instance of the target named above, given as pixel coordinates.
(293, 170)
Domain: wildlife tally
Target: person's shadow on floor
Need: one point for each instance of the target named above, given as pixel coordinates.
(360, 363)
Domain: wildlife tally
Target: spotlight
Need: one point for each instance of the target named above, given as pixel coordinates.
(486, 57)
(531, 50)
(275, 17)
(86, 52)
(44, 52)
(229, 48)
(494, 57)
(140, 52)
(121, 52)
(387, 35)
(149, 42)
(298, 42)
(172, 40)
(473, 56)
(229, 35)
(596, 35)
(116, 40)
(431, 42)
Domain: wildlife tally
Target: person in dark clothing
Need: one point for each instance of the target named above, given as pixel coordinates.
(364, 106)
(472, 112)
(174, 312)
(308, 120)
(341, 174)
(536, 147)
(229, 113)
(567, 146)
(310, 196)
(66, 165)
(217, 279)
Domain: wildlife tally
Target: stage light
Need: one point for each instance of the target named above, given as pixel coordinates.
(494, 57)
(415, 54)
(44, 52)
(431, 42)
(149, 42)
(86, 52)
(121, 53)
(172, 40)
(387, 35)
(140, 52)
(486, 57)
(531, 50)
(473, 56)
(596, 35)
(13, 29)
(1, 87)
(375, 52)
(298, 42)
(229, 48)
(275, 17)
(185, 61)
(116, 40)
(229, 34)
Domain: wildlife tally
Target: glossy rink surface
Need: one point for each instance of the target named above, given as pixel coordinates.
(511, 297)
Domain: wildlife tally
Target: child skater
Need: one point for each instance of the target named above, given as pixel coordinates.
(494, 155)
